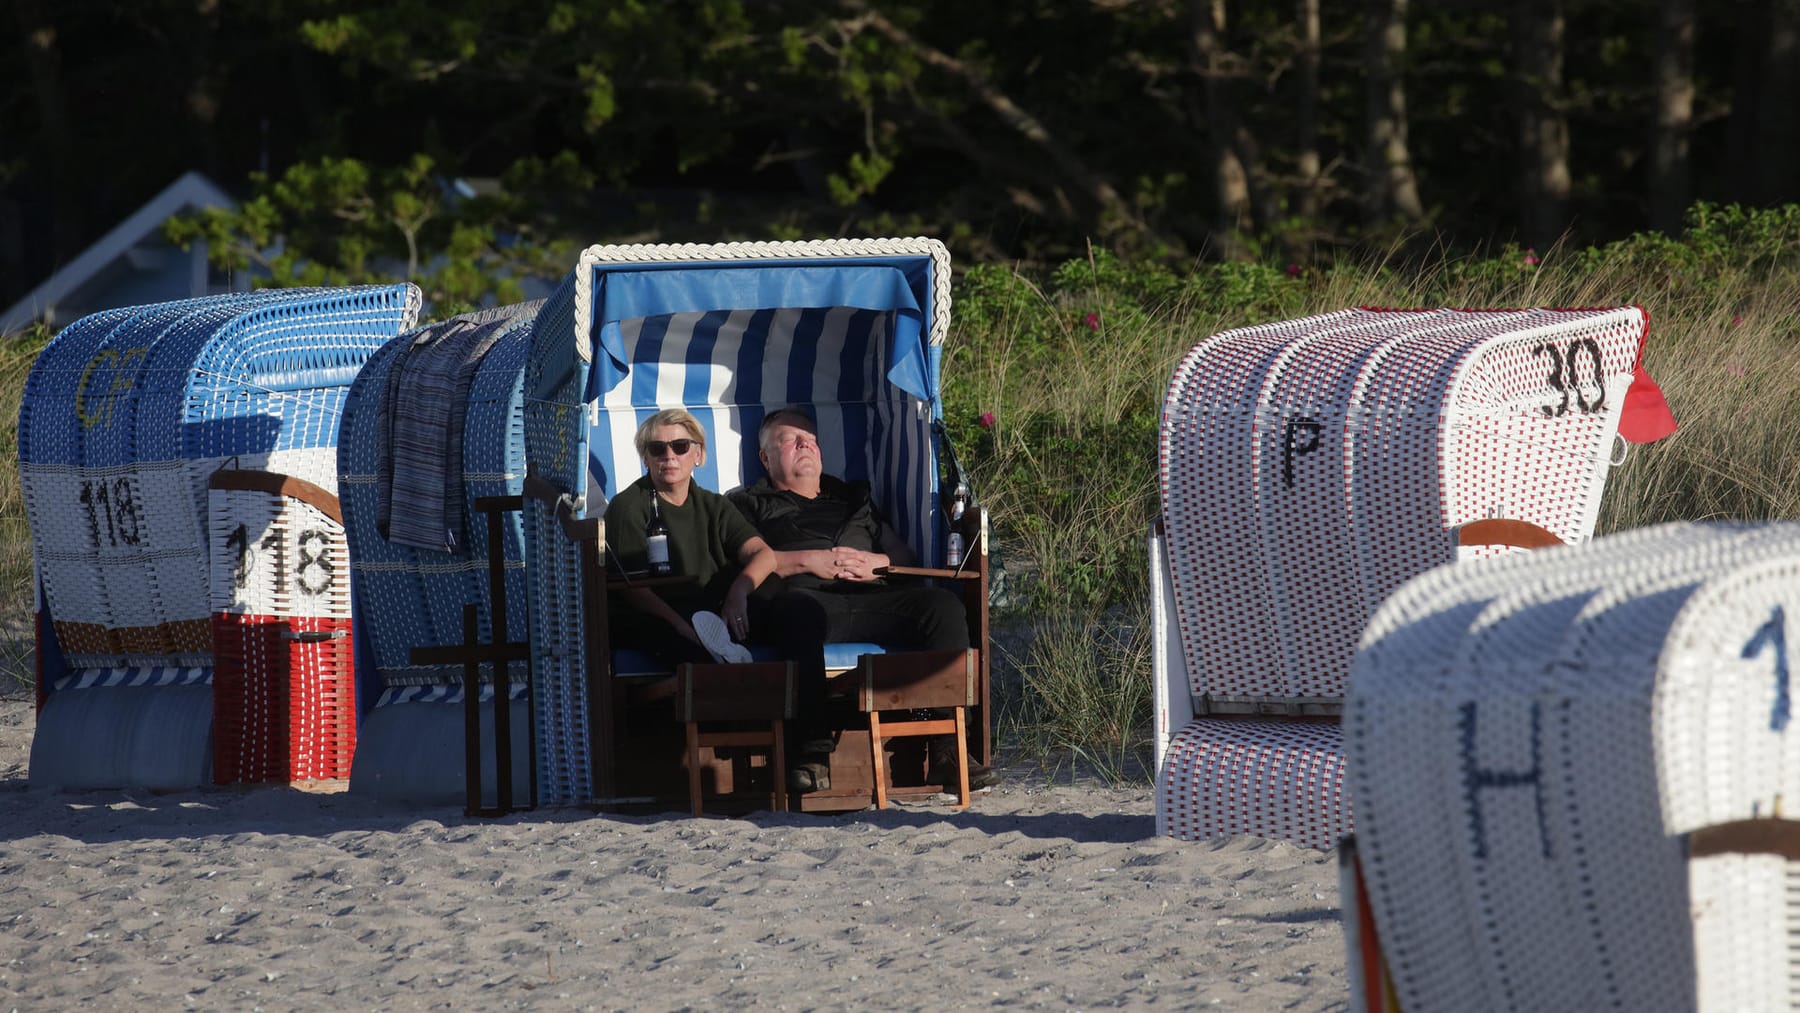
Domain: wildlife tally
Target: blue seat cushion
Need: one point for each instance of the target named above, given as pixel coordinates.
(630, 661)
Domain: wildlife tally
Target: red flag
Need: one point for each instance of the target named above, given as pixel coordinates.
(1645, 418)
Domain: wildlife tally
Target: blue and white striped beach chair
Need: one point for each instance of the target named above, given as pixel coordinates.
(851, 329)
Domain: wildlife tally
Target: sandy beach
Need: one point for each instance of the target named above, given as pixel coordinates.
(1039, 896)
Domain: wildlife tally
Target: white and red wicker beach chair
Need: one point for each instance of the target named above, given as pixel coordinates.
(1308, 468)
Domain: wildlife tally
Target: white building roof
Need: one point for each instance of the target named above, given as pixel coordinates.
(192, 191)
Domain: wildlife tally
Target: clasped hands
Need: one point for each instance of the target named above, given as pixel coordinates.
(846, 563)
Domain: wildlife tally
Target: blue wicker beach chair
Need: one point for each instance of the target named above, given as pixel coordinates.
(434, 426)
(852, 329)
(129, 419)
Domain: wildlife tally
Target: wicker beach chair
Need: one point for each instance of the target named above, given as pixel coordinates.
(1569, 771)
(413, 580)
(1308, 468)
(127, 417)
(852, 329)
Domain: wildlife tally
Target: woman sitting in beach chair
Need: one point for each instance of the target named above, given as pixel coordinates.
(704, 539)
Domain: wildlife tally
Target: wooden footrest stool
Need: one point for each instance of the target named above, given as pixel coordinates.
(918, 680)
(713, 694)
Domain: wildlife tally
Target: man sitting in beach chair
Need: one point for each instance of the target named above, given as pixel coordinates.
(832, 548)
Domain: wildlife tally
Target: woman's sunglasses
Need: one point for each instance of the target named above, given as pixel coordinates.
(658, 447)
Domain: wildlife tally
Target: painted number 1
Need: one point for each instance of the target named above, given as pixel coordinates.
(1773, 634)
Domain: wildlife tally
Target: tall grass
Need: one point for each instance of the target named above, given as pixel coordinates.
(1054, 382)
(17, 593)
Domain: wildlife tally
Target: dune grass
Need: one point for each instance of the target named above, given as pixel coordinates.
(1053, 382)
(17, 595)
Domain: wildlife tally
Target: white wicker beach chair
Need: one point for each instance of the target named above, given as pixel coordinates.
(1308, 468)
(1568, 772)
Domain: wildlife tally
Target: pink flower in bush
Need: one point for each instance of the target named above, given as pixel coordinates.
(987, 420)
(1293, 270)
(1736, 319)
(1736, 370)
(1092, 320)
(1531, 258)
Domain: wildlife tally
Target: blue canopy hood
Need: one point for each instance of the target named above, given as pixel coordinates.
(899, 285)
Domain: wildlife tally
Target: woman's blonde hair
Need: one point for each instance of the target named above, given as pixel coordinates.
(671, 417)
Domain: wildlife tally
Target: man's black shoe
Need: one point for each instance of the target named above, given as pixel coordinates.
(811, 742)
(822, 745)
(808, 777)
(942, 769)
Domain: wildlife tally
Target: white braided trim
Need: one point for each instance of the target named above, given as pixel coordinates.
(415, 302)
(811, 249)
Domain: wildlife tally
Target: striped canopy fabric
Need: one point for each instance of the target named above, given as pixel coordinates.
(851, 329)
(1530, 741)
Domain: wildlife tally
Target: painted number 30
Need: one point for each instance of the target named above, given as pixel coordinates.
(1565, 376)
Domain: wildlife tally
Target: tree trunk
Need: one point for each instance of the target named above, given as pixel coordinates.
(1760, 143)
(43, 61)
(1670, 170)
(205, 86)
(1393, 190)
(1777, 150)
(1307, 110)
(1537, 32)
(1752, 18)
(1233, 207)
(1104, 209)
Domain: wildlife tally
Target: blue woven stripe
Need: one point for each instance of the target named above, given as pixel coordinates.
(446, 694)
(289, 361)
(83, 380)
(156, 675)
